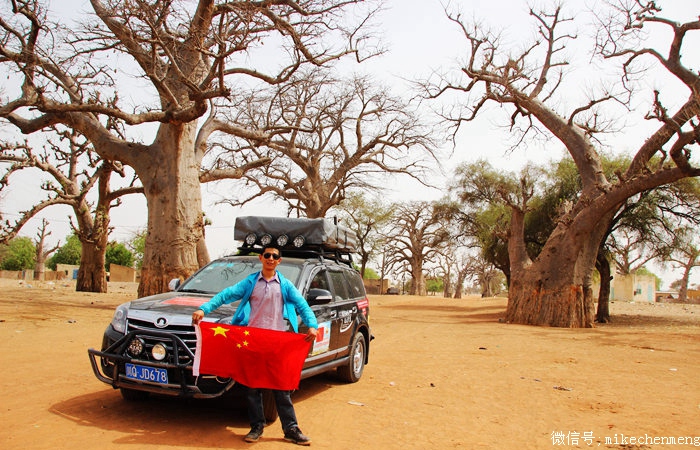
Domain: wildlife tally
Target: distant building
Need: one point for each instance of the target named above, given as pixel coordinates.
(376, 286)
(630, 288)
(122, 273)
(692, 296)
(70, 270)
(666, 296)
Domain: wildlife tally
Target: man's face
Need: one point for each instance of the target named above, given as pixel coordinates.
(270, 258)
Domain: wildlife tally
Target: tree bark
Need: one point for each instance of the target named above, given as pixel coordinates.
(537, 303)
(92, 276)
(556, 289)
(683, 290)
(417, 279)
(447, 289)
(41, 253)
(170, 175)
(39, 268)
(486, 290)
(202, 253)
(461, 276)
(603, 312)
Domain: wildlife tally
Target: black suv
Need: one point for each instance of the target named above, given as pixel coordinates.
(149, 346)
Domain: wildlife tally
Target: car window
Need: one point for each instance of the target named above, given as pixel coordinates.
(320, 281)
(340, 285)
(357, 288)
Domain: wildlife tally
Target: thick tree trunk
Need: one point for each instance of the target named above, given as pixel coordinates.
(459, 285)
(532, 302)
(418, 285)
(39, 271)
(92, 276)
(683, 290)
(556, 289)
(170, 175)
(40, 265)
(447, 288)
(486, 290)
(202, 253)
(603, 266)
(93, 233)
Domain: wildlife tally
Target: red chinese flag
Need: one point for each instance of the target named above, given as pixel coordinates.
(254, 357)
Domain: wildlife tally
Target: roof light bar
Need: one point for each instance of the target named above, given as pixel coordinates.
(250, 239)
(282, 240)
(265, 240)
(299, 241)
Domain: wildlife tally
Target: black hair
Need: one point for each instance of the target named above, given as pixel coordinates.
(272, 246)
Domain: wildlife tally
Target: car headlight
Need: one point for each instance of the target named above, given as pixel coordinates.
(159, 352)
(119, 318)
(136, 347)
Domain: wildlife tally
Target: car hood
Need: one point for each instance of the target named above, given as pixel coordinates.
(178, 306)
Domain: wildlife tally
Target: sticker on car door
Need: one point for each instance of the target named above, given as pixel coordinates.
(323, 338)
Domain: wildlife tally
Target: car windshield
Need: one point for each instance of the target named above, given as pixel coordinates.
(224, 273)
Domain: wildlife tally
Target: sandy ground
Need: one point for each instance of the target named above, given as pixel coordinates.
(443, 373)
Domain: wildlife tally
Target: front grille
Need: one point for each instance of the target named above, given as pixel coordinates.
(185, 332)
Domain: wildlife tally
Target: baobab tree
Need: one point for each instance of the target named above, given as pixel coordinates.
(414, 237)
(42, 252)
(684, 254)
(328, 137)
(73, 172)
(366, 217)
(181, 56)
(555, 288)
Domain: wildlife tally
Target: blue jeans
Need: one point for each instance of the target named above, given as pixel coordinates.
(283, 401)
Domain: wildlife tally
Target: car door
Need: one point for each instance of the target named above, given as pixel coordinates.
(326, 316)
(344, 312)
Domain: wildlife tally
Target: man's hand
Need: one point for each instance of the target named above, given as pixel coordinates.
(197, 316)
(311, 335)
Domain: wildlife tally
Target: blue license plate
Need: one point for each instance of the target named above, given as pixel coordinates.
(145, 373)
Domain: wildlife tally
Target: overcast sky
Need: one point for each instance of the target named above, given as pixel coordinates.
(419, 40)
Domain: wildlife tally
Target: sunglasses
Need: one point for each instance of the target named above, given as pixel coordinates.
(274, 256)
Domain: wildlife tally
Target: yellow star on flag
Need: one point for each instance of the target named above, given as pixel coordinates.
(220, 330)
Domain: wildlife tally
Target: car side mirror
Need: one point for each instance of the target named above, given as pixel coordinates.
(318, 297)
(174, 284)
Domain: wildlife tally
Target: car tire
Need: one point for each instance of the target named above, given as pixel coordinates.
(352, 371)
(131, 395)
(269, 406)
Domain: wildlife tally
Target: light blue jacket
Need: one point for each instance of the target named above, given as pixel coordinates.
(294, 302)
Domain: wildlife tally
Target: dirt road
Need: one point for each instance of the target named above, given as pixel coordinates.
(443, 373)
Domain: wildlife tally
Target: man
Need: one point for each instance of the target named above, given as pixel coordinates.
(268, 300)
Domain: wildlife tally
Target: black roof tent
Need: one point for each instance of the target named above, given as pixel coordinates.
(322, 237)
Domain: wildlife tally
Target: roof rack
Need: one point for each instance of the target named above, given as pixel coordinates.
(307, 252)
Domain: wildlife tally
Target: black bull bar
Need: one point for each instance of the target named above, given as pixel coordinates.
(115, 356)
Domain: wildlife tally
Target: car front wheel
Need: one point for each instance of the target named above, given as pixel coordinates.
(352, 371)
